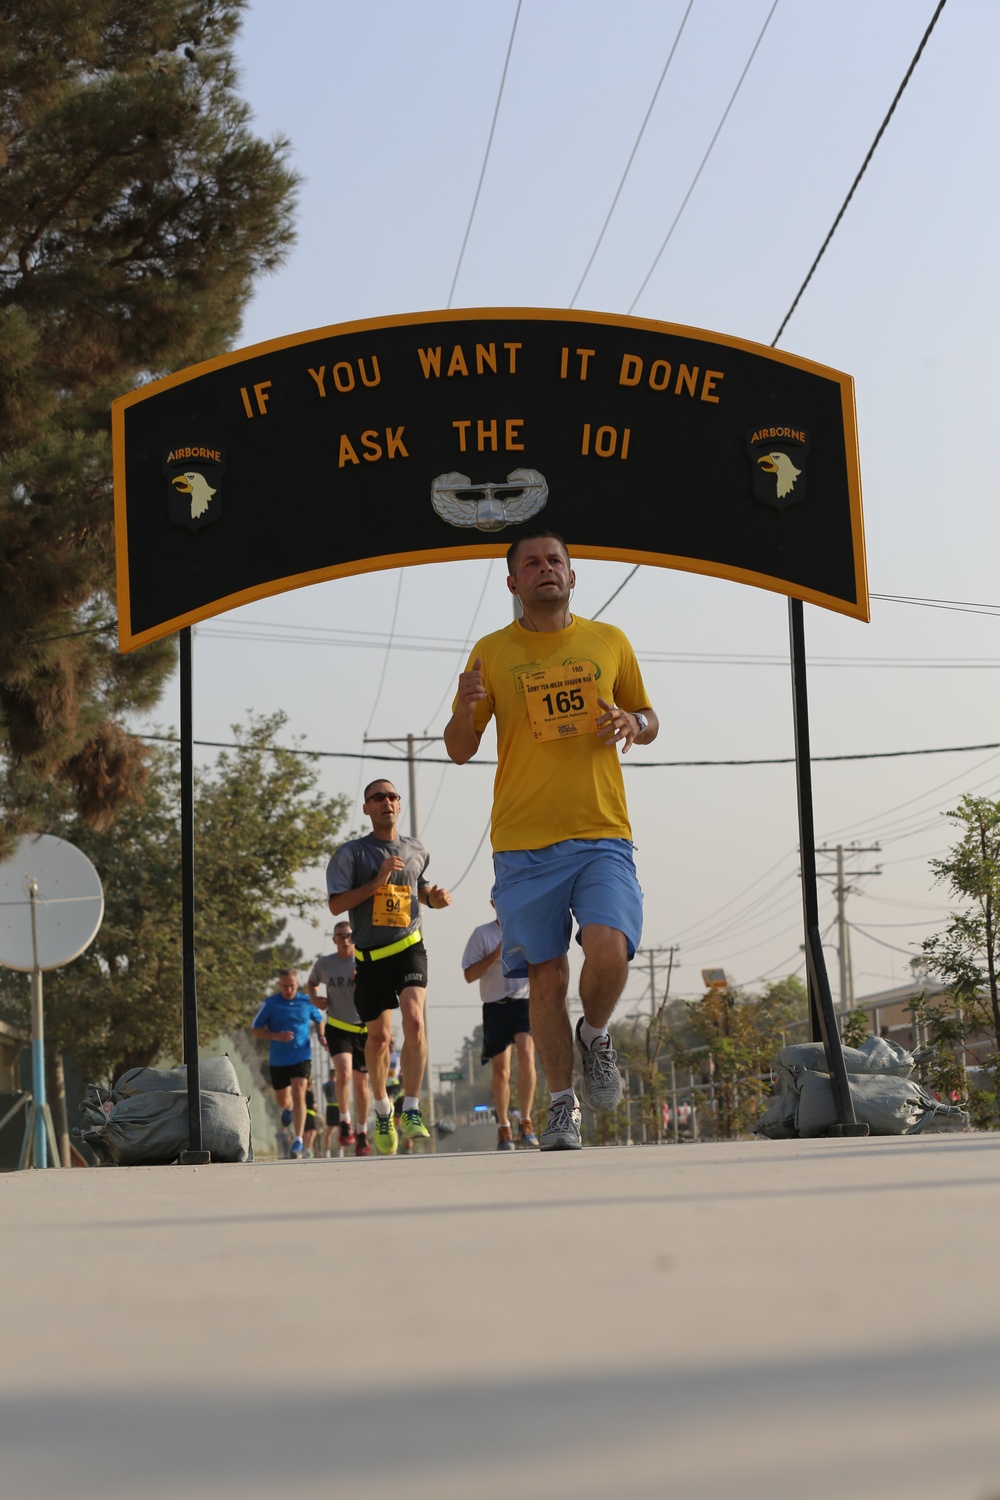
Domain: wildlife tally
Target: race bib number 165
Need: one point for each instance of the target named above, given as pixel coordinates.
(561, 701)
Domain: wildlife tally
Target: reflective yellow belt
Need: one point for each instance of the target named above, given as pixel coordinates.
(344, 1025)
(372, 955)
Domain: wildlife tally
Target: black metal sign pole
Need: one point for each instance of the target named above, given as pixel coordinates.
(821, 1012)
(195, 1155)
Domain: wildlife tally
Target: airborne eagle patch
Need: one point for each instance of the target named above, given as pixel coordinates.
(778, 453)
(194, 484)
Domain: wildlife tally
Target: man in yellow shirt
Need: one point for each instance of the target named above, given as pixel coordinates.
(565, 692)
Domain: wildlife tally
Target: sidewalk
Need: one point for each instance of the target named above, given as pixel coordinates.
(808, 1319)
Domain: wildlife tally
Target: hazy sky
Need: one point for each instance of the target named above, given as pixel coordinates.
(388, 106)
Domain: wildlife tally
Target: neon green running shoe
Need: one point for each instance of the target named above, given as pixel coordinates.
(385, 1135)
(412, 1125)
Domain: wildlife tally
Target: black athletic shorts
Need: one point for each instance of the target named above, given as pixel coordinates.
(351, 1042)
(282, 1074)
(502, 1020)
(332, 1107)
(381, 981)
(311, 1120)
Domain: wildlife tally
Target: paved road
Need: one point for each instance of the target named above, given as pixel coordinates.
(812, 1319)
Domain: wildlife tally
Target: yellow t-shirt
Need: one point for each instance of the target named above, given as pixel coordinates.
(551, 783)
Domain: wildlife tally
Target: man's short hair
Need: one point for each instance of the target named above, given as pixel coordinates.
(339, 926)
(532, 536)
(288, 973)
(376, 782)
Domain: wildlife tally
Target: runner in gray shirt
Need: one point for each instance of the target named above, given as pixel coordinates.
(345, 1038)
(380, 880)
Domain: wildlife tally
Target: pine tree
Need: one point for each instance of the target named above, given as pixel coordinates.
(136, 209)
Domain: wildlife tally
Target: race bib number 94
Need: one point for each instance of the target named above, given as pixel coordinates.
(561, 701)
(391, 906)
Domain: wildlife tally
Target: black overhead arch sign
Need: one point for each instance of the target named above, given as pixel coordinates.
(437, 436)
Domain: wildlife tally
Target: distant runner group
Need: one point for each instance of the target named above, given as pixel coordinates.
(566, 693)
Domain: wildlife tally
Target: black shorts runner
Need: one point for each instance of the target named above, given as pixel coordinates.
(311, 1120)
(381, 981)
(502, 1020)
(332, 1107)
(282, 1074)
(352, 1042)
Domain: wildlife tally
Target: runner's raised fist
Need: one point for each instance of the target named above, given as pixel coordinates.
(471, 689)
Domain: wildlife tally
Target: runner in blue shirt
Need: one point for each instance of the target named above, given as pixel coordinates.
(284, 1020)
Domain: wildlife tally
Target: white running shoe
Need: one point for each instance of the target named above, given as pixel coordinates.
(602, 1082)
(562, 1133)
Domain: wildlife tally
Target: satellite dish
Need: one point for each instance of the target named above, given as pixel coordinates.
(51, 904)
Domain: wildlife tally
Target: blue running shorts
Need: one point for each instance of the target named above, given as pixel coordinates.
(538, 891)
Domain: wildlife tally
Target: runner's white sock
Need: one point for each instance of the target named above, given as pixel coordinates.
(297, 1141)
(383, 1107)
(564, 1096)
(410, 1101)
(591, 1034)
(345, 1119)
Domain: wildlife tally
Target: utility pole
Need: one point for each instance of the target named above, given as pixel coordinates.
(841, 890)
(651, 954)
(411, 760)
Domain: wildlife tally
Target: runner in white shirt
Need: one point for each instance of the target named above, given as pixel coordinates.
(505, 1025)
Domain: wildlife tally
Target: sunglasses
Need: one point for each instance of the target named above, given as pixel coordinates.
(383, 796)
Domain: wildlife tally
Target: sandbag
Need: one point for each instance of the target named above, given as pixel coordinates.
(96, 1105)
(875, 1055)
(217, 1074)
(151, 1129)
(887, 1105)
(777, 1123)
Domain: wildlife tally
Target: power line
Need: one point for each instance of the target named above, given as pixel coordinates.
(450, 685)
(388, 649)
(956, 606)
(702, 931)
(802, 963)
(443, 760)
(721, 937)
(836, 222)
(381, 682)
(788, 760)
(489, 144)
(482, 839)
(864, 167)
(628, 164)
(464, 650)
(908, 904)
(738, 897)
(711, 144)
(617, 591)
(320, 635)
(925, 923)
(771, 938)
(921, 819)
(898, 806)
(70, 635)
(881, 941)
